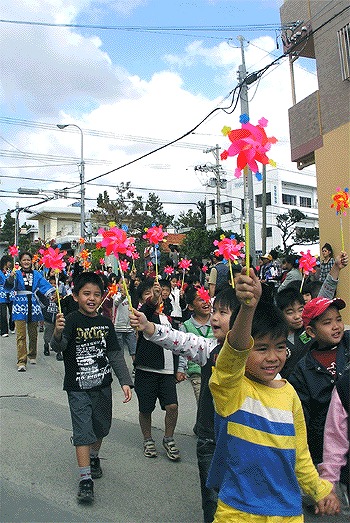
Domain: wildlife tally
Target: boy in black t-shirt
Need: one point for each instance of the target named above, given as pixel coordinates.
(90, 352)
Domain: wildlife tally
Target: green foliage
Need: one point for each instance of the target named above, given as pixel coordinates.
(199, 243)
(7, 231)
(292, 234)
(191, 219)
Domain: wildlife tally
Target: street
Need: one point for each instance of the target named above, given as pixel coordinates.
(39, 475)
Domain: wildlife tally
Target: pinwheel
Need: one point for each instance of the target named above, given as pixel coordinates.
(116, 240)
(53, 259)
(203, 294)
(124, 265)
(250, 144)
(13, 251)
(340, 203)
(231, 250)
(307, 264)
(112, 290)
(155, 235)
(184, 264)
(102, 262)
(168, 270)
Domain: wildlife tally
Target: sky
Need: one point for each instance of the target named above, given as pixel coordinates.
(134, 75)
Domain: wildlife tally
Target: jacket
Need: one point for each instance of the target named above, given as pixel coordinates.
(314, 385)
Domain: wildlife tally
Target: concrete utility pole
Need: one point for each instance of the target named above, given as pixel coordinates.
(248, 178)
(215, 150)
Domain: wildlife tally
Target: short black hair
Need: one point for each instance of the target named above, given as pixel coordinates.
(227, 299)
(144, 286)
(313, 288)
(87, 277)
(190, 294)
(25, 253)
(266, 321)
(286, 297)
(165, 283)
(6, 258)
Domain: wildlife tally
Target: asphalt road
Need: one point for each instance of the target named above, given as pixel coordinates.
(38, 470)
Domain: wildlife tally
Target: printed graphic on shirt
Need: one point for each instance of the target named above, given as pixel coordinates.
(91, 356)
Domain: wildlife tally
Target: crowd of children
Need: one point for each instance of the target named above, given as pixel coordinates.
(268, 361)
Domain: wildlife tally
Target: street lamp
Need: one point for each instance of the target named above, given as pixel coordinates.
(82, 177)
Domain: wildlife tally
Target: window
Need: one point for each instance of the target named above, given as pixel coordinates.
(305, 201)
(258, 199)
(344, 51)
(226, 208)
(268, 232)
(212, 207)
(289, 199)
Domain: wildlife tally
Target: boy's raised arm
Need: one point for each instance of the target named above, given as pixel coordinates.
(139, 321)
(248, 292)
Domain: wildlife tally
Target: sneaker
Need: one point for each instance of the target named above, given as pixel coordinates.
(32, 361)
(41, 328)
(86, 491)
(5, 335)
(149, 449)
(21, 368)
(59, 356)
(96, 471)
(46, 349)
(172, 451)
(13, 332)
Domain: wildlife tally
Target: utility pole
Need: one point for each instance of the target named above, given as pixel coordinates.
(215, 150)
(248, 177)
(263, 206)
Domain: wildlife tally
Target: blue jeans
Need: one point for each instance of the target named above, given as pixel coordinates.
(127, 340)
(205, 451)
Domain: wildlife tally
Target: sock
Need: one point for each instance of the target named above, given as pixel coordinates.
(85, 473)
(93, 453)
(168, 438)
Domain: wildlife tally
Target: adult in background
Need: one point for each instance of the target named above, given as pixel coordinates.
(290, 271)
(26, 311)
(6, 321)
(327, 262)
(219, 275)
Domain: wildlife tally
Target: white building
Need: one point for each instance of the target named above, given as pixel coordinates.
(285, 190)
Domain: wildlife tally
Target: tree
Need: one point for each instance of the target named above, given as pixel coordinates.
(287, 223)
(7, 231)
(199, 243)
(130, 210)
(191, 219)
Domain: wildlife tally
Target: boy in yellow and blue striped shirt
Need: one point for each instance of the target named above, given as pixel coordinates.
(261, 457)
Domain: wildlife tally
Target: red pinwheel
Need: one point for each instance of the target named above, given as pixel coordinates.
(53, 259)
(13, 251)
(113, 289)
(115, 240)
(102, 261)
(168, 270)
(203, 294)
(155, 234)
(229, 248)
(205, 268)
(184, 264)
(250, 144)
(124, 265)
(307, 263)
(71, 259)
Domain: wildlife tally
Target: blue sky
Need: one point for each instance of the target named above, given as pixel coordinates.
(142, 87)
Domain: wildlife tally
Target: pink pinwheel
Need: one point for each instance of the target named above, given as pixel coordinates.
(13, 250)
(102, 261)
(307, 263)
(204, 268)
(250, 144)
(229, 248)
(168, 270)
(155, 234)
(134, 254)
(115, 240)
(52, 259)
(184, 264)
(71, 259)
(124, 265)
(203, 294)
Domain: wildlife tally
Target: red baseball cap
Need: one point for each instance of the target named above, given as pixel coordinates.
(318, 306)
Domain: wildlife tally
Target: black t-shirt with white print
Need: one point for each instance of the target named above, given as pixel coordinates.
(89, 340)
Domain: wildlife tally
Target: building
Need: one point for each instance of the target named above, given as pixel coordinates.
(284, 191)
(319, 30)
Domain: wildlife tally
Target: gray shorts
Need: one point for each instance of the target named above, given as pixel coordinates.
(91, 413)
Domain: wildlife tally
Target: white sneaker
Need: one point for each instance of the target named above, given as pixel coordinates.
(5, 335)
(21, 368)
(33, 361)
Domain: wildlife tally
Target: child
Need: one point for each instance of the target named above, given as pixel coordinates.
(261, 454)
(166, 290)
(126, 335)
(90, 348)
(315, 374)
(155, 377)
(203, 351)
(177, 302)
(335, 465)
(198, 323)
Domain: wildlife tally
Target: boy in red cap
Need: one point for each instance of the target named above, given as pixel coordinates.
(316, 373)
